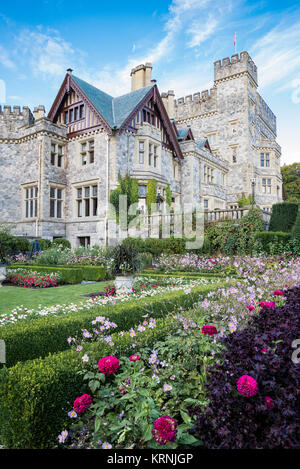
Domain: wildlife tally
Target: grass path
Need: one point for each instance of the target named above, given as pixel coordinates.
(11, 297)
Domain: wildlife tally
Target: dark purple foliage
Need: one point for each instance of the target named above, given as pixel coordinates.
(234, 421)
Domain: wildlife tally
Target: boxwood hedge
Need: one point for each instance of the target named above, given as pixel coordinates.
(39, 337)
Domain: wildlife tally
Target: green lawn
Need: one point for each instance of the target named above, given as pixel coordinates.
(10, 297)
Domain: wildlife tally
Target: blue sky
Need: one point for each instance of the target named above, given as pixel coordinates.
(102, 41)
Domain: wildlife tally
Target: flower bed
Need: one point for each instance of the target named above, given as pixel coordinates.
(32, 279)
(26, 340)
(254, 393)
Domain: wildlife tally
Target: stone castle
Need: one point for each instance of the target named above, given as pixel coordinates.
(57, 171)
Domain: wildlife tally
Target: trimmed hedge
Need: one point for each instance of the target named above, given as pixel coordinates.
(36, 396)
(157, 246)
(268, 237)
(39, 337)
(283, 216)
(70, 274)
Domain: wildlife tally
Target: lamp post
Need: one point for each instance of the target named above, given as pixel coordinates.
(253, 191)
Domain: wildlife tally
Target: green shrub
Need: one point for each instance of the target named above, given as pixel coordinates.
(21, 244)
(267, 238)
(39, 337)
(295, 234)
(283, 216)
(62, 242)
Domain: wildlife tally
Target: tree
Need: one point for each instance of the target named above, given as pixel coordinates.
(295, 234)
(291, 181)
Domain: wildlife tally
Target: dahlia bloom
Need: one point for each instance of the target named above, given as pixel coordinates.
(108, 365)
(134, 358)
(164, 430)
(269, 402)
(278, 293)
(264, 350)
(250, 307)
(82, 403)
(209, 330)
(267, 304)
(247, 386)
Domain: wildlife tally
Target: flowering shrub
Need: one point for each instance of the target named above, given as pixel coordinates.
(270, 418)
(140, 400)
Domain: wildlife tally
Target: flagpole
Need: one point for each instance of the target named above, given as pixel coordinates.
(234, 43)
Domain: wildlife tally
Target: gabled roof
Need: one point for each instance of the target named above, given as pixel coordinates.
(184, 134)
(203, 143)
(114, 110)
(102, 101)
(115, 113)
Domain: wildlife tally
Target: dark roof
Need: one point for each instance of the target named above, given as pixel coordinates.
(114, 110)
(181, 133)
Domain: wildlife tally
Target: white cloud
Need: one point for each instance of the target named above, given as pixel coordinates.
(48, 52)
(5, 59)
(277, 54)
(201, 32)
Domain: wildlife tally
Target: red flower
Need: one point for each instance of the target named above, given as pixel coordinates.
(134, 358)
(209, 330)
(250, 307)
(164, 430)
(269, 402)
(247, 386)
(108, 365)
(278, 293)
(267, 304)
(82, 403)
(264, 350)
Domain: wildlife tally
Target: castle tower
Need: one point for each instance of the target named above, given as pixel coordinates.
(240, 127)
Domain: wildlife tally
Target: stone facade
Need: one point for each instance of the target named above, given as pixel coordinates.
(240, 127)
(57, 172)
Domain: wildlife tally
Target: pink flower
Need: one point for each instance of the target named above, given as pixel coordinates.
(264, 350)
(247, 386)
(164, 430)
(108, 365)
(250, 307)
(209, 330)
(267, 304)
(269, 402)
(134, 358)
(82, 403)
(278, 293)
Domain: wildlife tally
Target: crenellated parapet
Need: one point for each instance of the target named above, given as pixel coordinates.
(196, 104)
(238, 64)
(266, 114)
(12, 119)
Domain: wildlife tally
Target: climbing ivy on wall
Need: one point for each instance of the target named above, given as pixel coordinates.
(168, 195)
(129, 187)
(151, 194)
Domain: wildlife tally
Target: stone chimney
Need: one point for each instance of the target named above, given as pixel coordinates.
(39, 112)
(141, 76)
(169, 103)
